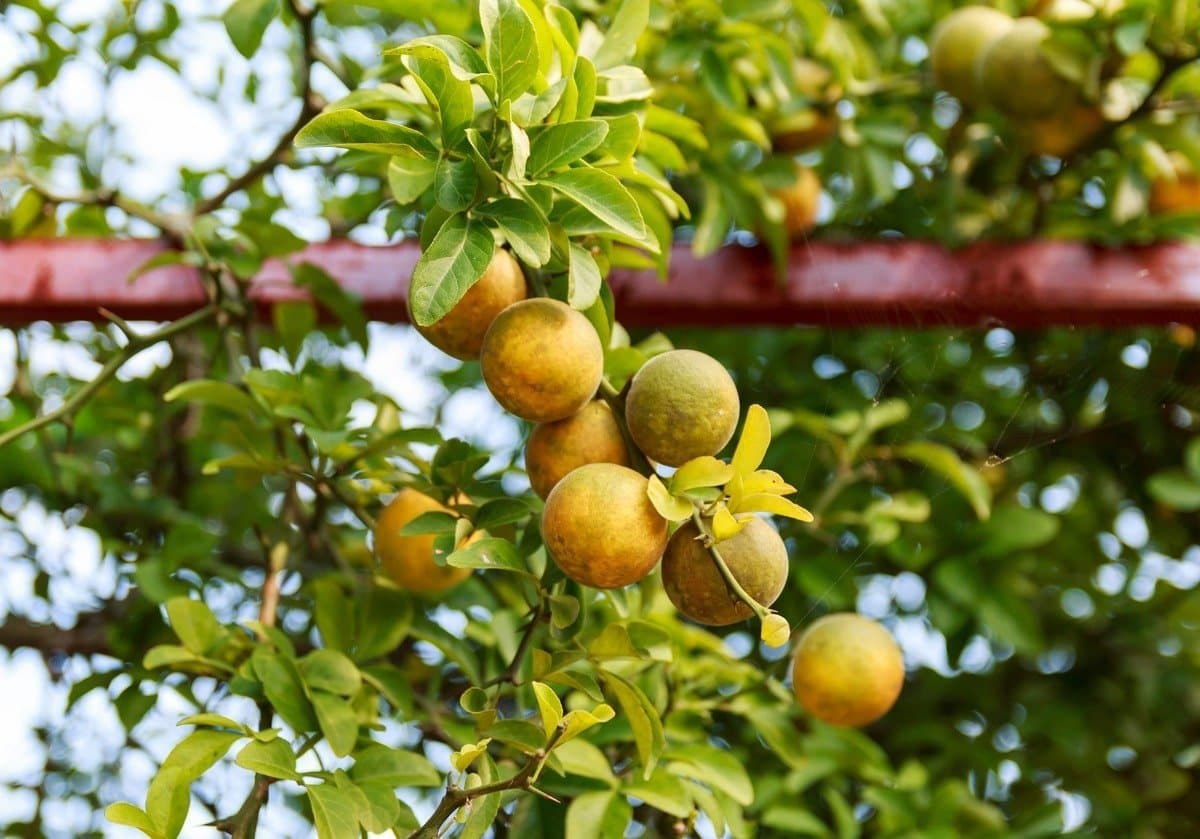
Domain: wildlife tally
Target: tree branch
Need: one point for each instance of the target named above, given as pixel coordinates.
(75, 402)
(513, 670)
(309, 56)
(89, 635)
(456, 797)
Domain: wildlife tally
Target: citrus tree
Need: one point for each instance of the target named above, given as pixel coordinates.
(672, 600)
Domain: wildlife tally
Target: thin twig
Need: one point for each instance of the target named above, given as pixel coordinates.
(75, 402)
(309, 56)
(735, 587)
(510, 674)
(616, 401)
(456, 797)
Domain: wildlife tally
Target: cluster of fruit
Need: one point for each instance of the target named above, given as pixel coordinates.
(983, 57)
(543, 362)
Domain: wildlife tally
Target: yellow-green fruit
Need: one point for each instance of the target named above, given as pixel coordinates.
(542, 360)
(408, 560)
(682, 404)
(556, 448)
(600, 527)
(801, 201)
(956, 44)
(847, 670)
(460, 332)
(1016, 77)
(756, 556)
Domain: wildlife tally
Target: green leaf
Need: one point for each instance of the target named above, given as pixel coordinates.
(348, 129)
(489, 554)
(557, 145)
(450, 95)
(194, 623)
(578, 721)
(510, 47)
(521, 227)
(454, 184)
(380, 809)
(624, 29)
(1191, 458)
(582, 757)
(126, 814)
(219, 394)
(247, 20)
(215, 721)
(334, 813)
(598, 815)
(1175, 488)
(663, 791)
(383, 620)
(946, 462)
(1014, 528)
(337, 720)
(168, 655)
(501, 511)
(342, 304)
(462, 759)
(462, 58)
(410, 177)
(603, 196)
(331, 671)
(293, 320)
(274, 758)
(199, 751)
(718, 768)
(168, 799)
(284, 689)
(583, 278)
(379, 764)
(644, 719)
(549, 706)
(453, 262)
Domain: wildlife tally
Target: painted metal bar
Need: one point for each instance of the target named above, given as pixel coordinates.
(878, 283)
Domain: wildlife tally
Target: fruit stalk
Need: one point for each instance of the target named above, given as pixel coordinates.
(710, 542)
(613, 397)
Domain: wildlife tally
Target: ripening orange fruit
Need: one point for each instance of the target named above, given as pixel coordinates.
(555, 449)
(600, 527)
(542, 360)
(408, 560)
(460, 332)
(756, 557)
(847, 670)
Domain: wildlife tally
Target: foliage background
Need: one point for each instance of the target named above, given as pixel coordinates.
(1052, 649)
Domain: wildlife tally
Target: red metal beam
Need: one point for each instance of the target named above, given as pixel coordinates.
(910, 284)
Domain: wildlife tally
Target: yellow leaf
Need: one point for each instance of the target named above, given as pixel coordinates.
(764, 480)
(752, 445)
(668, 506)
(773, 504)
(549, 705)
(468, 754)
(725, 525)
(700, 472)
(775, 630)
(577, 722)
